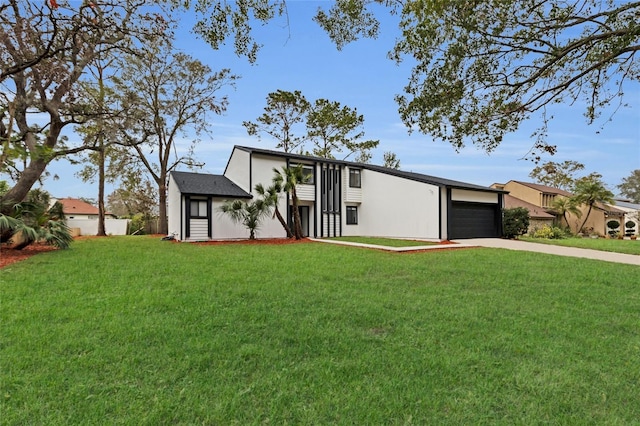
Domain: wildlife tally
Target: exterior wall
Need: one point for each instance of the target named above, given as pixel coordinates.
(90, 226)
(174, 206)
(596, 220)
(524, 193)
(262, 172)
(444, 217)
(238, 169)
(395, 207)
(199, 229)
(474, 196)
(351, 195)
(306, 192)
(83, 216)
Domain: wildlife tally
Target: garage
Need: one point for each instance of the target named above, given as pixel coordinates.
(474, 220)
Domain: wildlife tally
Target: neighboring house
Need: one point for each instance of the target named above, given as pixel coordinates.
(82, 218)
(631, 213)
(544, 196)
(339, 198)
(538, 217)
(74, 208)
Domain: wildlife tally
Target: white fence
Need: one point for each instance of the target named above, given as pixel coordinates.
(90, 226)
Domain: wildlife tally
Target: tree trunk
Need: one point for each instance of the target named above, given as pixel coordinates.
(101, 227)
(283, 223)
(163, 226)
(19, 192)
(297, 227)
(586, 218)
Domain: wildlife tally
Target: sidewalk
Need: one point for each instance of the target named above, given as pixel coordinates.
(630, 259)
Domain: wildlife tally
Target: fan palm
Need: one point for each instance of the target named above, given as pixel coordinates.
(561, 206)
(34, 222)
(590, 191)
(248, 214)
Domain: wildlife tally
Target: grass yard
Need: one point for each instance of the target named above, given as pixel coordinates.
(380, 241)
(603, 244)
(134, 330)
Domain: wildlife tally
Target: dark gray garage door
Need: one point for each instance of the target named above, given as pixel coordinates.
(474, 220)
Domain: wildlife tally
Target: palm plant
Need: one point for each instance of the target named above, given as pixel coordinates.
(34, 222)
(271, 196)
(561, 206)
(248, 214)
(589, 191)
(288, 178)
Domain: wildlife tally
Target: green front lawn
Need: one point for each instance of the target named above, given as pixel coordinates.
(380, 241)
(134, 330)
(604, 244)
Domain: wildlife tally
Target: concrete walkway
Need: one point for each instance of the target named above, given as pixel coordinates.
(433, 246)
(630, 259)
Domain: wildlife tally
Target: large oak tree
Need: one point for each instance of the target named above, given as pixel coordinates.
(46, 48)
(168, 95)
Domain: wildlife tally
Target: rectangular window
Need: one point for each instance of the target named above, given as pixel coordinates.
(308, 173)
(352, 215)
(198, 208)
(354, 178)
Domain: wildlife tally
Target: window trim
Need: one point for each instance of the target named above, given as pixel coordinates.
(352, 173)
(352, 213)
(199, 216)
(308, 170)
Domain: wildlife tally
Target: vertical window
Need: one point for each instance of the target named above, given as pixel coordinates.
(354, 178)
(199, 208)
(324, 190)
(331, 190)
(352, 215)
(336, 191)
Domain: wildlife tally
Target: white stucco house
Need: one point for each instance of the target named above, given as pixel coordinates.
(340, 198)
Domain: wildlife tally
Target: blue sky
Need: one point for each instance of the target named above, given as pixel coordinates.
(301, 57)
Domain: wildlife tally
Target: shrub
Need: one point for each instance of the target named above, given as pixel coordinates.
(137, 224)
(515, 222)
(549, 232)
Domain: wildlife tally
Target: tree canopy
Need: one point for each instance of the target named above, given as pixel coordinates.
(46, 49)
(481, 67)
(630, 186)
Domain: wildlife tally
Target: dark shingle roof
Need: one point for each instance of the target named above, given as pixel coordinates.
(407, 175)
(206, 184)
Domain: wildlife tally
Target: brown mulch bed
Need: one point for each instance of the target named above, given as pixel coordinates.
(9, 256)
(265, 241)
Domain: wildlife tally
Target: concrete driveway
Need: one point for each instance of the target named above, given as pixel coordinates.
(630, 259)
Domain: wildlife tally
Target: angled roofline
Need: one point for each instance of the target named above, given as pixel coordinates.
(237, 191)
(544, 188)
(419, 177)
